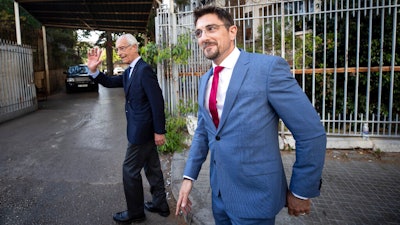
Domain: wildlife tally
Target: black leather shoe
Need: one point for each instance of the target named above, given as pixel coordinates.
(163, 210)
(125, 218)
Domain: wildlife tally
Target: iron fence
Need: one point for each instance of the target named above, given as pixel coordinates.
(17, 88)
(342, 53)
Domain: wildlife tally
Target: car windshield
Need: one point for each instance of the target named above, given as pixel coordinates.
(78, 70)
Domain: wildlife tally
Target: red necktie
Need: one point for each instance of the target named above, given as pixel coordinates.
(212, 104)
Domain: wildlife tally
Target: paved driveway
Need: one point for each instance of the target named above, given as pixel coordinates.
(62, 163)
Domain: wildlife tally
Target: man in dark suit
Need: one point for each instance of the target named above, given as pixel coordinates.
(144, 107)
(241, 99)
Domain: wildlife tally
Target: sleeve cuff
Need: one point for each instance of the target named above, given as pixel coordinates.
(188, 178)
(300, 197)
(95, 74)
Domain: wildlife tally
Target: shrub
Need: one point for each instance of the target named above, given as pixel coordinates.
(176, 134)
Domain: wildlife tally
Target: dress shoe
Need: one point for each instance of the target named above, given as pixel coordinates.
(163, 210)
(125, 218)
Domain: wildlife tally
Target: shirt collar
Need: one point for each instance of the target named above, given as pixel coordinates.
(133, 63)
(230, 61)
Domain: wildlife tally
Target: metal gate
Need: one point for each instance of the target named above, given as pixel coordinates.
(17, 88)
(342, 53)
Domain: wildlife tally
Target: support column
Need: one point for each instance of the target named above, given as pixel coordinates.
(109, 54)
(17, 23)
(46, 60)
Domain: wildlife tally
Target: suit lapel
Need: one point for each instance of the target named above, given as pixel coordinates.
(129, 81)
(202, 95)
(126, 80)
(238, 74)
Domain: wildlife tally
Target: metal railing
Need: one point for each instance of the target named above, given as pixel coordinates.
(17, 88)
(342, 53)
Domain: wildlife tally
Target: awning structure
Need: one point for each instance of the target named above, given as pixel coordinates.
(111, 15)
(131, 16)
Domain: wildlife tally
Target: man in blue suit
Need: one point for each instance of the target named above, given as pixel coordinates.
(144, 107)
(238, 125)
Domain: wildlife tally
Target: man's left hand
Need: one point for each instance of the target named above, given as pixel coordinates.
(159, 139)
(297, 206)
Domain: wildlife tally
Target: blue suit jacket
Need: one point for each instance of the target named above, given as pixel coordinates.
(144, 103)
(245, 164)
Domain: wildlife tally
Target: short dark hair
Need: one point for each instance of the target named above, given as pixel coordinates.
(222, 14)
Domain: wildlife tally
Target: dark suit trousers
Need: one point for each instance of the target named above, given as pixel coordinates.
(138, 157)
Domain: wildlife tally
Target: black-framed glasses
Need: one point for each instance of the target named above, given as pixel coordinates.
(122, 48)
(209, 29)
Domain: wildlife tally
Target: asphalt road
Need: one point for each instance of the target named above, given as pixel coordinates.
(63, 163)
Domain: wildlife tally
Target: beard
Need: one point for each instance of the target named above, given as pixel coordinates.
(209, 52)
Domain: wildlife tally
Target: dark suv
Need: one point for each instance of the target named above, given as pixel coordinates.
(78, 79)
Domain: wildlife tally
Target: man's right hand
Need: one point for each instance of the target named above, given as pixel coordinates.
(184, 205)
(93, 59)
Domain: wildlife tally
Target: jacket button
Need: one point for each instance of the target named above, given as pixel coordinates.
(217, 138)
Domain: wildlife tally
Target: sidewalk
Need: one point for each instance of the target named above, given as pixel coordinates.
(357, 187)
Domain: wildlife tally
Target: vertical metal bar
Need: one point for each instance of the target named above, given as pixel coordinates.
(303, 83)
(324, 78)
(384, 125)
(380, 66)
(313, 58)
(8, 80)
(350, 119)
(373, 124)
(253, 28)
(264, 21)
(330, 121)
(283, 29)
(394, 31)
(361, 123)
(335, 65)
(346, 65)
(13, 87)
(293, 44)
(273, 31)
(357, 66)
(3, 98)
(369, 65)
(22, 79)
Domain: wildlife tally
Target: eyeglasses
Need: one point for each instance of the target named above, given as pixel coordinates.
(209, 29)
(122, 48)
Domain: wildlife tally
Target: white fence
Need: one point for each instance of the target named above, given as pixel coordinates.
(17, 88)
(342, 52)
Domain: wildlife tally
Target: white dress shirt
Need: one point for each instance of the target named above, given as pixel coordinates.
(223, 82)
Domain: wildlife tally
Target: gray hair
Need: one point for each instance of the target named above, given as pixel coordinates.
(130, 39)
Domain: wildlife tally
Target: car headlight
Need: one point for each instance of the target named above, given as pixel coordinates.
(70, 80)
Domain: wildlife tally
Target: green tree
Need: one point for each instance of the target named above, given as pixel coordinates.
(177, 53)
(62, 48)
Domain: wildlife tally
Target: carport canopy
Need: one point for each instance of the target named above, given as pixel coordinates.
(104, 15)
(129, 16)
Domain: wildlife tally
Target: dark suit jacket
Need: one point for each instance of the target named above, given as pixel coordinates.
(245, 166)
(144, 103)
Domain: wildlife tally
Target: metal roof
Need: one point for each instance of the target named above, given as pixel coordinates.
(110, 15)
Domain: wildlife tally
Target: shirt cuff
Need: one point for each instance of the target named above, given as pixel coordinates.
(95, 74)
(189, 178)
(300, 197)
